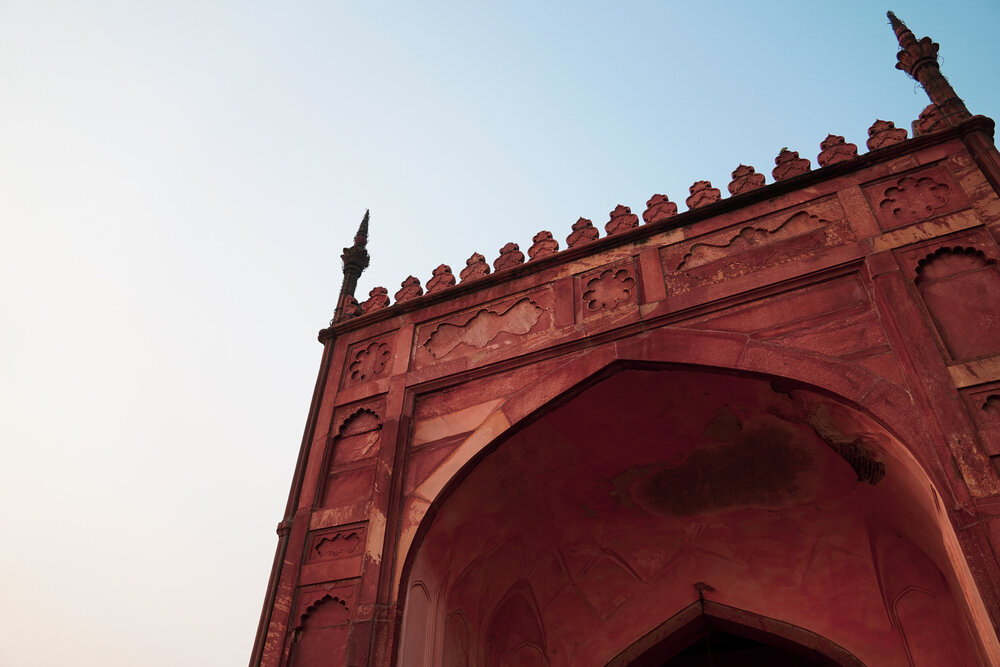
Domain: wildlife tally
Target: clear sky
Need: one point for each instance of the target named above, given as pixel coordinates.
(177, 181)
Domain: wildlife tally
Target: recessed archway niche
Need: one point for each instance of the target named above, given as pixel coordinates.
(613, 509)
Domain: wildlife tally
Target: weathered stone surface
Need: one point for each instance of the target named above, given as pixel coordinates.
(702, 194)
(583, 232)
(745, 179)
(622, 219)
(542, 245)
(789, 164)
(834, 149)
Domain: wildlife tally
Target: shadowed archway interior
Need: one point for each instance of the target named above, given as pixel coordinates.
(608, 514)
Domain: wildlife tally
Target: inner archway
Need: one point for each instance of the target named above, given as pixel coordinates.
(610, 511)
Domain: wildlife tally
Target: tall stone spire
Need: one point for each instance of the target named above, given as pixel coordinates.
(355, 260)
(918, 58)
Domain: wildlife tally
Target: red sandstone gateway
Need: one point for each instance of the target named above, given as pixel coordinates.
(756, 432)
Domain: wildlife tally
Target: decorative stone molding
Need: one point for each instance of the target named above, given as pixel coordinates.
(835, 149)
(442, 278)
(542, 245)
(475, 268)
(702, 194)
(583, 231)
(789, 164)
(622, 220)
(510, 256)
(658, 208)
(745, 178)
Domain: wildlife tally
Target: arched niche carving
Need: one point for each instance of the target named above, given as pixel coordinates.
(352, 446)
(321, 634)
(514, 635)
(961, 288)
(416, 631)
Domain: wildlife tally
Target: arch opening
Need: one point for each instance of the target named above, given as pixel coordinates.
(606, 514)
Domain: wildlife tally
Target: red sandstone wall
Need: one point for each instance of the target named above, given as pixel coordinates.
(873, 279)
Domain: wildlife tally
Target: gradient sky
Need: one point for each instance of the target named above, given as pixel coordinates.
(177, 181)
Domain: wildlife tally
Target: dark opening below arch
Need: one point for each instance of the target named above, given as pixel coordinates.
(708, 633)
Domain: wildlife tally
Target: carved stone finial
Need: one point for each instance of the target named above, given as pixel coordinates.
(356, 257)
(355, 260)
(930, 120)
(510, 256)
(745, 178)
(658, 208)
(441, 278)
(411, 289)
(542, 245)
(884, 133)
(583, 231)
(475, 267)
(789, 164)
(378, 299)
(918, 58)
(835, 149)
(702, 194)
(622, 220)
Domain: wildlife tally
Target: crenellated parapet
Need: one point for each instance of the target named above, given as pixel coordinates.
(834, 151)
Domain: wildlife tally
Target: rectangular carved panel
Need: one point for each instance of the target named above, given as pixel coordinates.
(506, 326)
(903, 200)
(735, 251)
(368, 360)
(608, 295)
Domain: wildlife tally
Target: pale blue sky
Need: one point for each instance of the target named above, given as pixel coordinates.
(177, 180)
